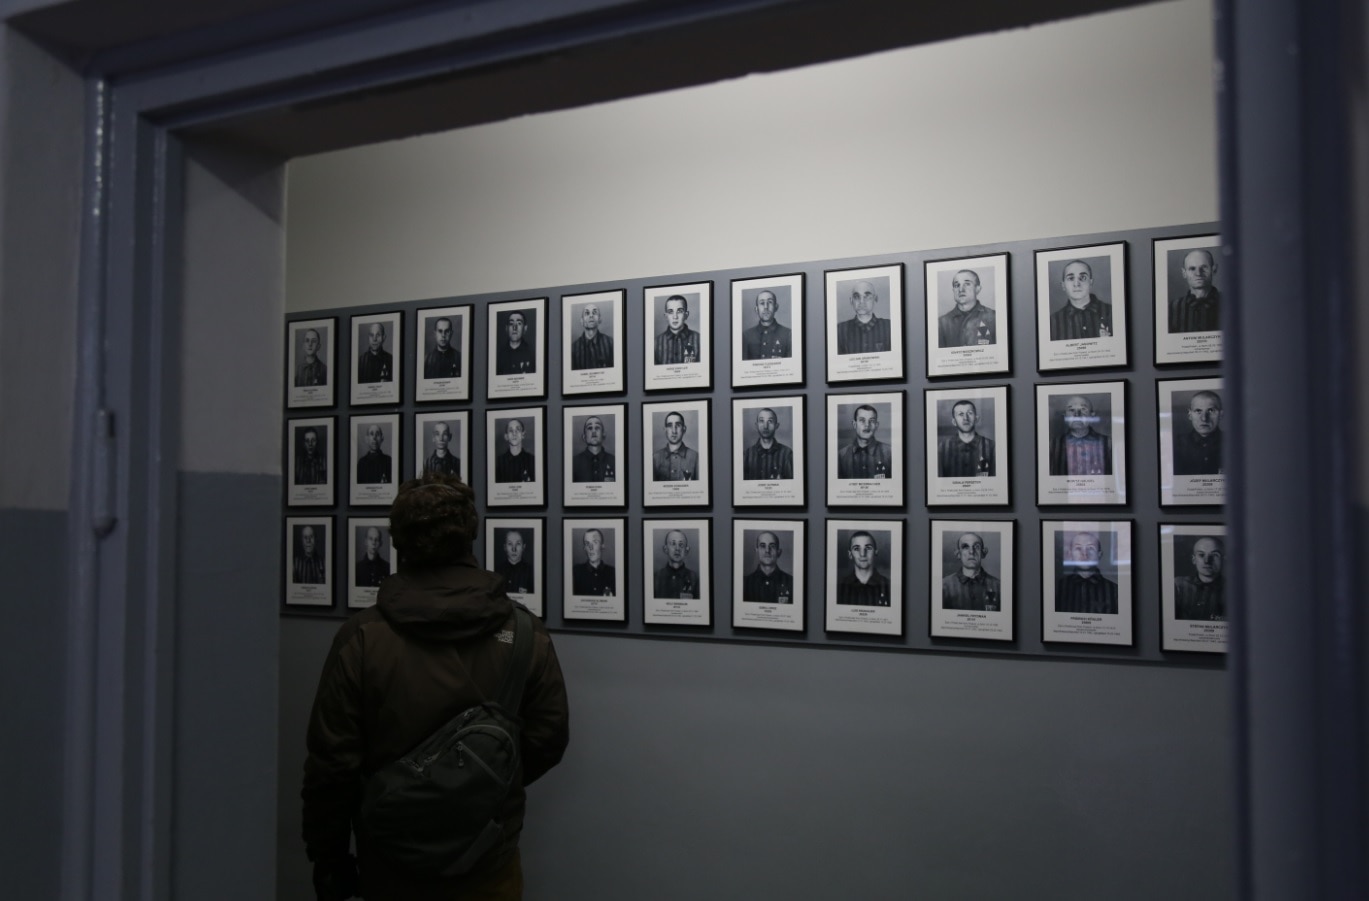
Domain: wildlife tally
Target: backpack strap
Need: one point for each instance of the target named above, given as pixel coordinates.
(511, 691)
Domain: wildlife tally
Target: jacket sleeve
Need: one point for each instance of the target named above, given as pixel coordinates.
(545, 712)
(332, 770)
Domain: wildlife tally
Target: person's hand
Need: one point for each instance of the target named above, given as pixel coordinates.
(335, 879)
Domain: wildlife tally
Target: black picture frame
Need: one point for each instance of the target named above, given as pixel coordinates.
(677, 358)
(457, 461)
(974, 472)
(377, 360)
(516, 457)
(1192, 444)
(589, 592)
(308, 584)
(588, 479)
(1098, 335)
(363, 576)
(777, 476)
(1193, 603)
(516, 371)
(774, 601)
(869, 609)
(1075, 607)
(311, 464)
(965, 599)
(1188, 328)
(374, 474)
(875, 352)
(311, 370)
(768, 354)
(677, 479)
(1091, 476)
(594, 364)
(525, 579)
(874, 475)
(677, 595)
(443, 375)
(971, 340)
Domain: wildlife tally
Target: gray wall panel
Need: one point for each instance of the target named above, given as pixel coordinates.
(705, 770)
(33, 555)
(228, 587)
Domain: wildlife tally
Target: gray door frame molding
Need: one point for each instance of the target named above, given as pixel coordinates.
(1299, 675)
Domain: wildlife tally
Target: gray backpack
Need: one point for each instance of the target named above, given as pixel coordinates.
(433, 811)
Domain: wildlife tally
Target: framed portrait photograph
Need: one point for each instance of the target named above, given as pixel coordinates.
(1192, 469)
(370, 558)
(676, 572)
(767, 330)
(1188, 300)
(310, 343)
(768, 465)
(517, 349)
(768, 566)
(516, 549)
(375, 447)
(592, 357)
(865, 576)
(594, 552)
(865, 451)
(442, 443)
(1081, 443)
(1086, 582)
(308, 561)
(442, 354)
(515, 471)
(1081, 307)
(594, 473)
(675, 454)
(967, 445)
(312, 453)
(968, 317)
(972, 579)
(865, 323)
(376, 358)
(1193, 587)
(677, 332)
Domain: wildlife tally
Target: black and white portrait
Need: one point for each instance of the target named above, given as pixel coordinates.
(967, 445)
(592, 357)
(376, 358)
(675, 454)
(676, 575)
(1080, 443)
(594, 472)
(768, 466)
(767, 330)
(972, 579)
(593, 552)
(443, 352)
(678, 336)
(1193, 558)
(515, 550)
(374, 458)
(768, 570)
(1188, 299)
(515, 473)
(517, 349)
(865, 449)
(1086, 581)
(370, 559)
(968, 319)
(1081, 307)
(310, 365)
(865, 576)
(308, 561)
(865, 323)
(1192, 437)
(442, 443)
(311, 451)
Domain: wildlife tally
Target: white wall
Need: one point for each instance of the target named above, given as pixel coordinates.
(1093, 124)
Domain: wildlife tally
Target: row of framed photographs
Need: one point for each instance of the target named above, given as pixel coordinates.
(1082, 311)
(1080, 450)
(1087, 584)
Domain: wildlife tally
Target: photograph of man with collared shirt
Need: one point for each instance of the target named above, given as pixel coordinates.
(1077, 310)
(767, 457)
(968, 584)
(868, 329)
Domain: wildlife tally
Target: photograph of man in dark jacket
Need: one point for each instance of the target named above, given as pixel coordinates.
(438, 641)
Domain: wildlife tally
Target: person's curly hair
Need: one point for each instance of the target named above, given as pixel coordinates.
(433, 520)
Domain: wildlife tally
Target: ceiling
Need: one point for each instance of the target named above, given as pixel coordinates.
(131, 34)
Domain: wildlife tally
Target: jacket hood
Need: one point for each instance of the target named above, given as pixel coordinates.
(445, 603)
